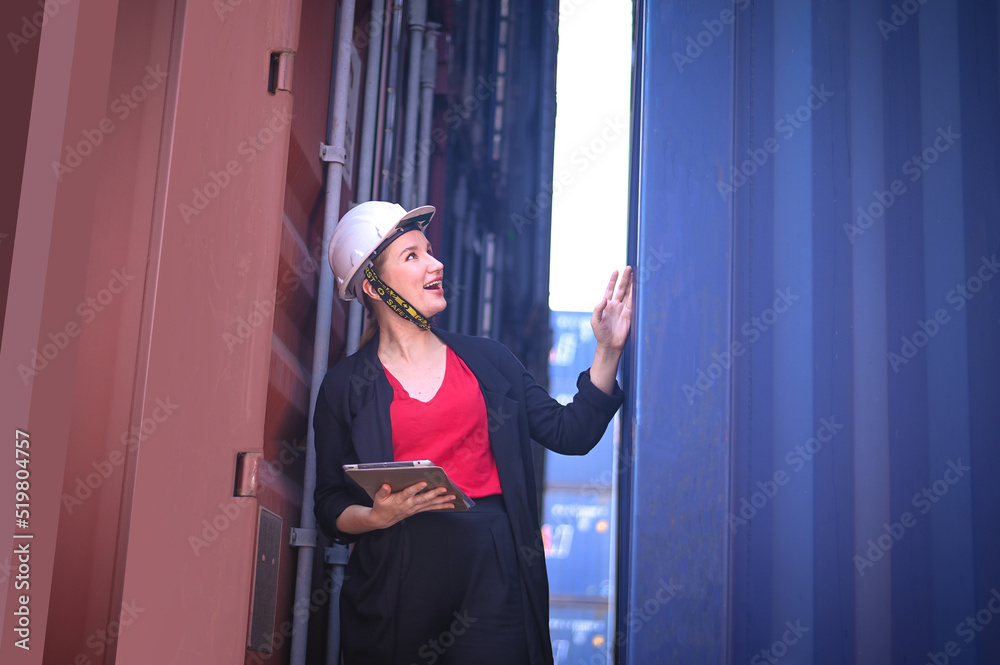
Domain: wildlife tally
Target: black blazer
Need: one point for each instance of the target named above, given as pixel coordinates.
(353, 426)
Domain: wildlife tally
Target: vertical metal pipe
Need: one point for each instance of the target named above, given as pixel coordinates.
(370, 109)
(366, 162)
(470, 49)
(324, 304)
(418, 19)
(467, 313)
(486, 313)
(427, 79)
(458, 204)
(336, 555)
(387, 187)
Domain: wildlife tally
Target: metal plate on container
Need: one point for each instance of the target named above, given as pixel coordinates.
(265, 582)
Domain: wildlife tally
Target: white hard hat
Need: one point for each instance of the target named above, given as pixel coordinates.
(360, 232)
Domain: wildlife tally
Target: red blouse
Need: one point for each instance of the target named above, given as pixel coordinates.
(451, 429)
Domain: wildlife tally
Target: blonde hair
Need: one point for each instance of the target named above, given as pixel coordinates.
(369, 304)
(370, 322)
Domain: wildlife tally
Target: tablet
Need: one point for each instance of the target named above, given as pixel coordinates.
(400, 475)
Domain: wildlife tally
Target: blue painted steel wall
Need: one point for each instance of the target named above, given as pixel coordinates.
(825, 180)
(676, 444)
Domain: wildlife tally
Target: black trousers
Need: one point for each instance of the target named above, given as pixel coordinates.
(436, 589)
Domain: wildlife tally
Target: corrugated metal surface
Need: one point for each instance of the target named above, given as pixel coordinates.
(674, 497)
(816, 374)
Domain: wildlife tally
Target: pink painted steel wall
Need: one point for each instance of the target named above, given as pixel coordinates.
(52, 242)
(212, 273)
(103, 450)
(164, 255)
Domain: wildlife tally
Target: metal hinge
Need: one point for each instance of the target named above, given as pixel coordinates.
(279, 75)
(247, 473)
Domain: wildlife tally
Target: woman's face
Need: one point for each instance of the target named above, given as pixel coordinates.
(409, 267)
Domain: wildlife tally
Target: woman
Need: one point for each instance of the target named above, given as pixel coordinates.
(423, 585)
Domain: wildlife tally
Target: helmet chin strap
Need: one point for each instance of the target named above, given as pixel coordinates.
(396, 302)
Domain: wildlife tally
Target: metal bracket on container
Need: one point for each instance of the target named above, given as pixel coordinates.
(329, 153)
(336, 555)
(302, 537)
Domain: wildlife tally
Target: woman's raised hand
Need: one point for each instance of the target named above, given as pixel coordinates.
(612, 318)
